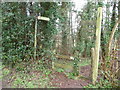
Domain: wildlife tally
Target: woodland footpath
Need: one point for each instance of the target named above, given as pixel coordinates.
(55, 45)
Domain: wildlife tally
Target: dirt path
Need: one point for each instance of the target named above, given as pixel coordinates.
(60, 80)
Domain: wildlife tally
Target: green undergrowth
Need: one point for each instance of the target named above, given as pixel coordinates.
(84, 62)
(67, 68)
(70, 75)
(36, 80)
(4, 71)
(101, 84)
(29, 76)
(34, 74)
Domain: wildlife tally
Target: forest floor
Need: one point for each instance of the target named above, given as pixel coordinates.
(46, 79)
(62, 81)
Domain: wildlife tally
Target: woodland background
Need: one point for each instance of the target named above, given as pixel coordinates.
(69, 32)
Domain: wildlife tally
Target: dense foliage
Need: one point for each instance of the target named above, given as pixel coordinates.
(18, 29)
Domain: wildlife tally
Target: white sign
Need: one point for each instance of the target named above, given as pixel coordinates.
(43, 18)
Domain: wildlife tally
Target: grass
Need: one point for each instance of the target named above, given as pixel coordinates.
(4, 71)
(84, 62)
(31, 76)
(33, 80)
(25, 80)
(67, 66)
(101, 84)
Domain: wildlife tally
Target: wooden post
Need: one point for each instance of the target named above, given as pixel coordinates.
(97, 46)
(92, 62)
(35, 42)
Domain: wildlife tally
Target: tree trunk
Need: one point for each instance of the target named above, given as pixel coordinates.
(84, 52)
(113, 18)
(119, 16)
(64, 28)
(111, 37)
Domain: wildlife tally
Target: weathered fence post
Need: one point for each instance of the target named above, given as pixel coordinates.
(92, 62)
(35, 42)
(35, 36)
(97, 47)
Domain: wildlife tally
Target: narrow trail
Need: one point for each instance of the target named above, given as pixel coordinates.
(60, 80)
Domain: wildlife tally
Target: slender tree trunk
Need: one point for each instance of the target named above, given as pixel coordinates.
(84, 52)
(72, 33)
(103, 44)
(64, 28)
(113, 18)
(70, 36)
(103, 40)
(119, 16)
(111, 37)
